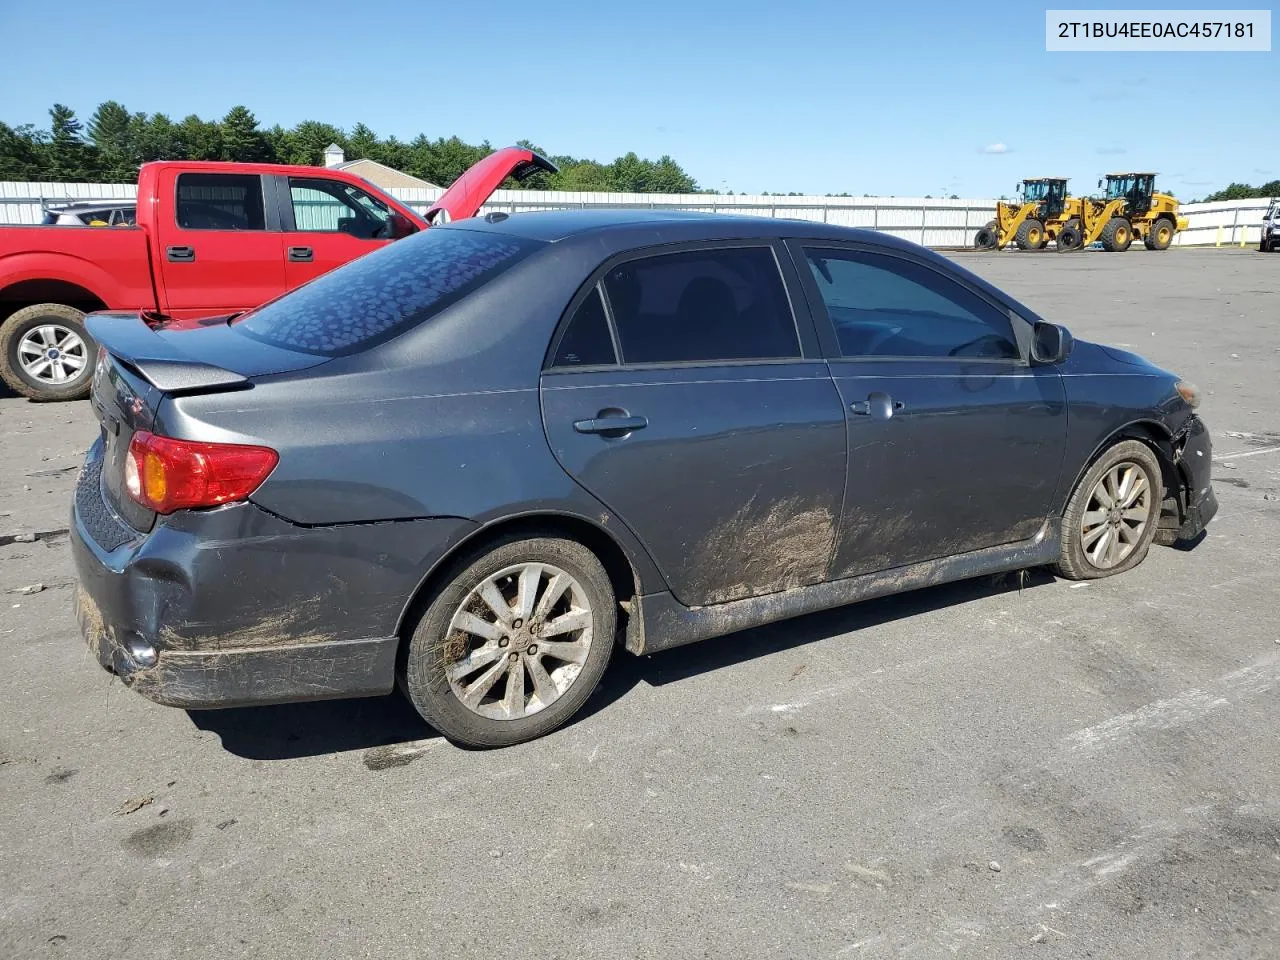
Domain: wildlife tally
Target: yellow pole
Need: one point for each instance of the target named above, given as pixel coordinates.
(1219, 243)
(1242, 233)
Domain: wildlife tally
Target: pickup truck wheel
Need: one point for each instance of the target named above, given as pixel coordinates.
(514, 643)
(45, 353)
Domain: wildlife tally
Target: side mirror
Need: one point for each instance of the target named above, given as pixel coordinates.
(402, 226)
(1050, 343)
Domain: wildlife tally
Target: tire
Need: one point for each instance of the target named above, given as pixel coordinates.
(439, 643)
(1079, 545)
(1069, 239)
(988, 238)
(1030, 235)
(1116, 235)
(57, 329)
(1160, 235)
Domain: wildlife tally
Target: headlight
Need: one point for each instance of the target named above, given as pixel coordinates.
(1188, 392)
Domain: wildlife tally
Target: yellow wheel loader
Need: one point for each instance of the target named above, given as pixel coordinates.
(1032, 220)
(1131, 209)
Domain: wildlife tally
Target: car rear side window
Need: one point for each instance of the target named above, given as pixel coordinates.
(586, 340)
(385, 292)
(884, 306)
(220, 201)
(724, 303)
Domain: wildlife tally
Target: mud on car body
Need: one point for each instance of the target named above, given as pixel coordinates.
(471, 462)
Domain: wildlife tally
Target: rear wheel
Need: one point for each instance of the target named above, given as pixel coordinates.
(45, 353)
(1159, 236)
(514, 644)
(1116, 235)
(1030, 235)
(1112, 517)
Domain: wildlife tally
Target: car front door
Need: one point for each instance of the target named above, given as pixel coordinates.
(222, 249)
(955, 441)
(328, 223)
(680, 395)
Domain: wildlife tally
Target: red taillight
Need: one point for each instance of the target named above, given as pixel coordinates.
(165, 475)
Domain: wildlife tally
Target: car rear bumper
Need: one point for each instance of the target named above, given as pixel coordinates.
(234, 606)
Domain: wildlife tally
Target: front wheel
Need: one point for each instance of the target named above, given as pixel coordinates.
(1112, 517)
(514, 644)
(45, 353)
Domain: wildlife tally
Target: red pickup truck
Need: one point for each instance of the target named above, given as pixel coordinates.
(210, 239)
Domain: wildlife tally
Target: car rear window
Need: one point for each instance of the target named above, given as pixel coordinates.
(384, 293)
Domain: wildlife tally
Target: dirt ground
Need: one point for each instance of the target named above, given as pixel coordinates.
(984, 769)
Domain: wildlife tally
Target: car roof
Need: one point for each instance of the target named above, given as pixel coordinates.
(645, 226)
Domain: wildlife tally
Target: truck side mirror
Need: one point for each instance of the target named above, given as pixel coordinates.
(401, 226)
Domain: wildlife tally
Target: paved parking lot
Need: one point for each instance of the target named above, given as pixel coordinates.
(982, 769)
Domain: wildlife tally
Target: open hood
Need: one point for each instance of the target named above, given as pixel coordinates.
(470, 191)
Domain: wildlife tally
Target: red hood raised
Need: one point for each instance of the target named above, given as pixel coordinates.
(470, 191)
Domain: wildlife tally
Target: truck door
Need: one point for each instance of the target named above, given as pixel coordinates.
(220, 248)
(328, 223)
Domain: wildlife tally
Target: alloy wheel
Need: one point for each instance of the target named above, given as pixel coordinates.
(1116, 516)
(52, 353)
(518, 641)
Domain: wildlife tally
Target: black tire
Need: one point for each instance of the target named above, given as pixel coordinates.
(1030, 235)
(433, 644)
(1069, 239)
(988, 237)
(1116, 235)
(1074, 563)
(14, 330)
(1160, 234)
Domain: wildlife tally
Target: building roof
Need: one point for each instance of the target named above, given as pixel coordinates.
(380, 175)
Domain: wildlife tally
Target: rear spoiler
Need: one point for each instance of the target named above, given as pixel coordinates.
(134, 343)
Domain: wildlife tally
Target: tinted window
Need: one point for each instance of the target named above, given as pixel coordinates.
(220, 201)
(334, 207)
(383, 293)
(586, 340)
(884, 306)
(723, 304)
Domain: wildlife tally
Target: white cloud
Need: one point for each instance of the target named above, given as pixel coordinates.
(996, 148)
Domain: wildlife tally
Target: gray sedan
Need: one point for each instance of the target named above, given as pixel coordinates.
(476, 460)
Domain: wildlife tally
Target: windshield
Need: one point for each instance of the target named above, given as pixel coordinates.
(1034, 190)
(1273, 211)
(1118, 187)
(383, 293)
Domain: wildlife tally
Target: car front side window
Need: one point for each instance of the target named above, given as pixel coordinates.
(886, 306)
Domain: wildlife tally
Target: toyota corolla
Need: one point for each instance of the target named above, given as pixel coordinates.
(473, 462)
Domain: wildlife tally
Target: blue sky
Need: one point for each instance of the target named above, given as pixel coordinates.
(810, 95)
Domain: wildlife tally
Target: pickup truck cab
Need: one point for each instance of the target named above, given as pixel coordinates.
(210, 239)
(1271, 227)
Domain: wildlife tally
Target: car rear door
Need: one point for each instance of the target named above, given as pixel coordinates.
(327, 223)
(955, 441)
(686, 393)
(220, 248)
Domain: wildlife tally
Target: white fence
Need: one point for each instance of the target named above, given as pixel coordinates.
(929, 221)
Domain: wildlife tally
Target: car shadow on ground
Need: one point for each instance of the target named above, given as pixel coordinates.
(291, 731)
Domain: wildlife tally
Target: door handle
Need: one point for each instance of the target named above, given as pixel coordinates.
(879, 406)
(301, 254)
(610, 426)
(180, 254)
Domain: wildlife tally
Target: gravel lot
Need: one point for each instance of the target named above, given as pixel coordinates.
(981, 769)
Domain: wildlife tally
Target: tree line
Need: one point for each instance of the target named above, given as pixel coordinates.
(1243, 191)
(113, 143)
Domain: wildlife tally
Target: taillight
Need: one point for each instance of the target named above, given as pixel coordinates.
(165, 475)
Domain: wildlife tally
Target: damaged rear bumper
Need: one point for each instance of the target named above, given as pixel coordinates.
(235, 606)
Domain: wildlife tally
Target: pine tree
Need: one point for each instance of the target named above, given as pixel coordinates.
(68, 153)
(242, 141)
(113, 133)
